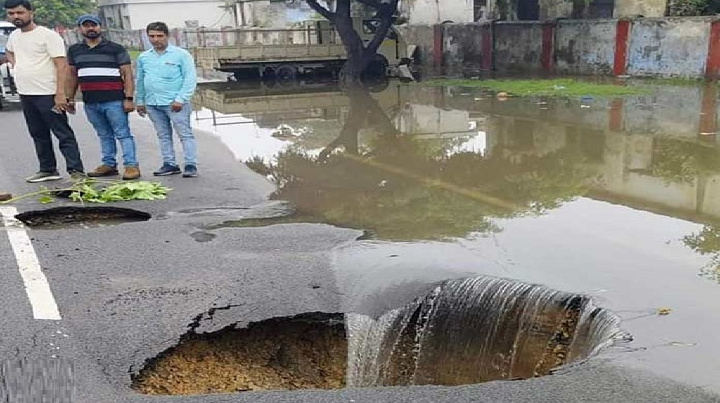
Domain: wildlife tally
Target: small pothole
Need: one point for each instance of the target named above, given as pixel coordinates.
(464, 331)
(202, 236)
(85, 217)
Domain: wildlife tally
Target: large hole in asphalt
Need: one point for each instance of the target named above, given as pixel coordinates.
(464, 331)
(68, 216)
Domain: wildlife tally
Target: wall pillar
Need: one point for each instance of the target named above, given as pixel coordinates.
(712, 65)
(438, 38)
(622, 38)
(547, 57)
(488, 47)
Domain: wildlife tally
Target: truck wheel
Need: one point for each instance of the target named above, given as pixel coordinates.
(377, 68)
(269, 73)
(286, 73)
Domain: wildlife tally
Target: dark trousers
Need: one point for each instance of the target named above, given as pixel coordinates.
(41, 120)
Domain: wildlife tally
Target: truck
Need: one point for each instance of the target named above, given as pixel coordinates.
(7, 84)
(313, 48)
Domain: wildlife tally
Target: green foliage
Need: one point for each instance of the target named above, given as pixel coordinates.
(707, 242)
(694, 7)
(88, 191)
(62, 13)
(96, 191)
(134, 53)
(564, 87)
(683, 161)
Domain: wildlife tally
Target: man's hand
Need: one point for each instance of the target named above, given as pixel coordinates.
(129, 106)
(141, 110)
(176, 106)
(61, 102)
(71, 107)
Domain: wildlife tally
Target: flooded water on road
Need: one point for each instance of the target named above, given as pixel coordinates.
(615, 198)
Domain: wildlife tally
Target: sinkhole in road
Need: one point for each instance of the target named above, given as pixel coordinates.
(464, 331)
(85, 217)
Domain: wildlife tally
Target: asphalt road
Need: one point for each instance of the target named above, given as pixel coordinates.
(127, 292)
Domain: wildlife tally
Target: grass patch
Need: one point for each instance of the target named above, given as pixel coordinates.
(563, 87)
(134, 53)
(677, 81)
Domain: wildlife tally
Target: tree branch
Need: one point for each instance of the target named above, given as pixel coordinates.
(370, 3)
(342, 8)
(321, 10)
(385, 12)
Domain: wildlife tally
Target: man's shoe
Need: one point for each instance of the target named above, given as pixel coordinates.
(43, 177)
(167, 169)
(103, 170)
(190, 171)
(5, 196)
(131, 173)
(77, 176)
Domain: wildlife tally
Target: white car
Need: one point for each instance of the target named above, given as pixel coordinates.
(7, 85)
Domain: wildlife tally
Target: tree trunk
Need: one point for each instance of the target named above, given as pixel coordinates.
(357, 61)
(360, 55)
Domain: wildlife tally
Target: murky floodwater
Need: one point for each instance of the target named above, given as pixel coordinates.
(614, 198)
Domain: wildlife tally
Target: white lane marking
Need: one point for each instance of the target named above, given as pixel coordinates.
(36, 284)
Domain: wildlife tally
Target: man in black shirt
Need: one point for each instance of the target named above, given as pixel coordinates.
(103, 70)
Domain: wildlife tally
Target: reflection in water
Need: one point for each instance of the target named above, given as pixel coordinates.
(413, 163)
(404, 186)
(475, 330)
(707, 242)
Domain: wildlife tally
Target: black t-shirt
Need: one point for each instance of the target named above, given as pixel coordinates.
(99, 70)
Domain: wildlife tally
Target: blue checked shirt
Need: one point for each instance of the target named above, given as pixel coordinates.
(165, 78)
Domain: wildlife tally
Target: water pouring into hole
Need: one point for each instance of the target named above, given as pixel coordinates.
(464, 331)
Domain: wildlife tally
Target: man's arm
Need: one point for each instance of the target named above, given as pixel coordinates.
(126, 73)
(56, 50)
(61, 71)
(10, 50)
(11, 57)
(72, 87)
(140, 87)
(189, 81)
(72, 78)
(72, 82)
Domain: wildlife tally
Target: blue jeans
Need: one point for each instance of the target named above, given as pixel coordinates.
(164, 119)
(111, 124)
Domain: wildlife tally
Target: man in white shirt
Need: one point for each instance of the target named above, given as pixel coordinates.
(41, 71)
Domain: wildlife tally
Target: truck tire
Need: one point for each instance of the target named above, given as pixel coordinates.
(286, 73)
(269, 74)
(377, 68)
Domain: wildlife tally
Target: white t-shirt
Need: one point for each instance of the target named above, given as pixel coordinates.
(35, 72)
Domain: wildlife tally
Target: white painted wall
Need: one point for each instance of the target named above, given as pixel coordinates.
(436, 11)
(208, 13)
(647, 8)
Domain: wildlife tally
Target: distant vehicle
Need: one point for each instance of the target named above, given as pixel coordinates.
(285, 54)
(7, 84)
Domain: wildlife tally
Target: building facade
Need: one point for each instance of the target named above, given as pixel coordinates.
(136, 14)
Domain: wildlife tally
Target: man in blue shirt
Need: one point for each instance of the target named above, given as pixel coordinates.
(165, 82)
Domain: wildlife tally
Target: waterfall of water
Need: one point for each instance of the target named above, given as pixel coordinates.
(475, 330)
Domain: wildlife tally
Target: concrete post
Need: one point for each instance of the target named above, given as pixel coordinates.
(622, 38)
(712, 65)
(488, 46)
(438, 50)
(547, 57)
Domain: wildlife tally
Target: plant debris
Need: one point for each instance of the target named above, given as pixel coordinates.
(97, 191)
